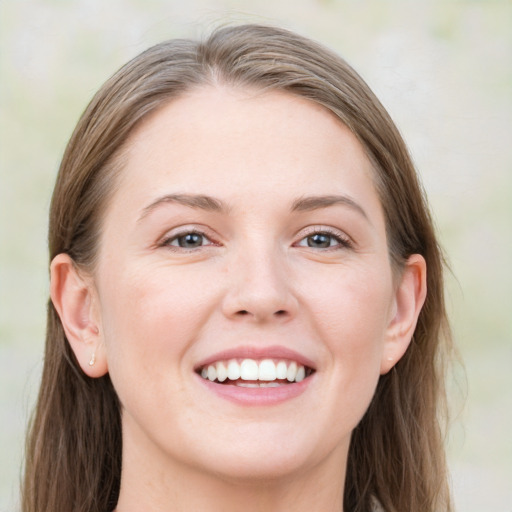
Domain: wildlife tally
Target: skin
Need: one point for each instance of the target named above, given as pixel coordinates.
(152, 310)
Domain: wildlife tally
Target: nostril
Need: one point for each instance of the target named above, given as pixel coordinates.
(245, 312)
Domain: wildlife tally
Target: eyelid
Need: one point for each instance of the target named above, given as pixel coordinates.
(175, 233)
(345, 241)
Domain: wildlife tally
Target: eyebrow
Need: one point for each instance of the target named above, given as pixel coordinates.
(209, 203)
(310, 203)
(198, 201)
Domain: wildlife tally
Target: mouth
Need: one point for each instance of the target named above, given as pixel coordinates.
(255, 373)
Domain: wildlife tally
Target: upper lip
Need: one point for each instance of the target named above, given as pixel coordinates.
(253, 352)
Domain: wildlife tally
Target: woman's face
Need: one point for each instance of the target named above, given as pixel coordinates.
(245, 235)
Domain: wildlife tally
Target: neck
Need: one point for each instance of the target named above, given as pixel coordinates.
(302, 495)
(148, 483)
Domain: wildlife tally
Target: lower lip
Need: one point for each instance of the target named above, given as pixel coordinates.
(258, 396)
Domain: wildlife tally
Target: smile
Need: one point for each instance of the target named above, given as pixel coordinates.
(253, 373)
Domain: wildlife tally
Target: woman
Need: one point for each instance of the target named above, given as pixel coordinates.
(239, 314)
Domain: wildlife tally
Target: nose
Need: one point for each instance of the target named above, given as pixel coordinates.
(259, 289)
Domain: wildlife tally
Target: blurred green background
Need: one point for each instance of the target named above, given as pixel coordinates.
(442, 68)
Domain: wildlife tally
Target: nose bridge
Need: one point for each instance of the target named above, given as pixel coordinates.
(260, 284)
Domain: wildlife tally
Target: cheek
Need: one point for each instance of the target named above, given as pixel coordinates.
(352, 308)
(156, 311)
(350, 315)
(150, 317)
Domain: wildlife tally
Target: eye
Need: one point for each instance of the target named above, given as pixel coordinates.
(187, 240)
(320, 240)
(324, 240)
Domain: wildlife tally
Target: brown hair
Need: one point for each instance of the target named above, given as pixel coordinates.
(396, 455)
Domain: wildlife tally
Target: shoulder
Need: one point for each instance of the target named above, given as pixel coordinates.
(376, 506)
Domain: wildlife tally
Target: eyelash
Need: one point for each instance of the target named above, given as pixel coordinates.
(168, 241)
(343, 242)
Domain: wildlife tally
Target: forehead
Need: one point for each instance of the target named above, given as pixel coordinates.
(218, 134)
(239, 145)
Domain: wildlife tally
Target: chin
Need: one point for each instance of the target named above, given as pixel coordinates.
(260, 454)
(258, 467)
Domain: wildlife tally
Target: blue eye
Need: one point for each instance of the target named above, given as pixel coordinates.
(324, 240)
(320, 240)
(189, 240)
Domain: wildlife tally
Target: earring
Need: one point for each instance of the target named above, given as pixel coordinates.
(93, 360)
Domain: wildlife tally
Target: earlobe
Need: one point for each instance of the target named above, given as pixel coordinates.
(409, 299)
(73, 297)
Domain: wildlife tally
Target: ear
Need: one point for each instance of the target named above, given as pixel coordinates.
(409, 298)
(73, 296)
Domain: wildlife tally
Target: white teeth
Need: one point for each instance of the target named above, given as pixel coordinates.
(267, 370)
(233, 370)
(212, 373)
(222, 372)
(259, 385)
(270, 384)
(249, 370)
(281, 370)
(291, 373)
